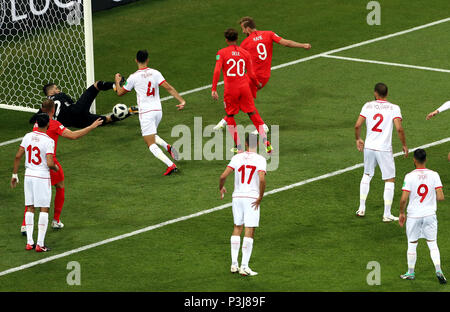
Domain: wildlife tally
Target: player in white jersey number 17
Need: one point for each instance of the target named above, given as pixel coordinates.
(380, 117)
(423, 188)
(249, 185)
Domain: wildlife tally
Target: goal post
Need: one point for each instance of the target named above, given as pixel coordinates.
(44, 41)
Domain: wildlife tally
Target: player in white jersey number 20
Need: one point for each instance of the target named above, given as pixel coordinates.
(146, 81)
(442, 108)
(380, 117)
(39, 150)
(423, 188)
(249, 185)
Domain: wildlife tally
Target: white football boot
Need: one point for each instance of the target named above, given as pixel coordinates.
(360, 213)
(247, 272)
(234, 268)
(23, 230)
(220, 125)
(57, 225)
(266, 130)
(389, 218)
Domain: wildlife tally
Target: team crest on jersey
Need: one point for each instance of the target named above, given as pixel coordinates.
(217, 57)
(61, 127)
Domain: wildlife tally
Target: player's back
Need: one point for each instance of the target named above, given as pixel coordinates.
(235, 62)
(380, 116)
(146, 82)
(37, 145)
(422, 185)
(260, 46)
(246, 167)
(55, 129)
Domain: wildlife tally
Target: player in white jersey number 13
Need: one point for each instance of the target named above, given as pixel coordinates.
(249, 185)
(423, 188)
(39, 150)
(146, 81)
(380, 117)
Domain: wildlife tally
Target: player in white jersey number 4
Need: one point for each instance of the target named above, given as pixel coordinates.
(38, 148)
(423, 188)
(380, 117)
(442, 108)
(146, 81)
(249, 185)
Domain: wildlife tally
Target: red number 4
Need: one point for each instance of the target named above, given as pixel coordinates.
(375, 128)
(242, 171)
(150, 90)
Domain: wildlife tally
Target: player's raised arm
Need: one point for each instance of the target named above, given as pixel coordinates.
(359, 141)
(442, 108)
(294, 44)
(401, 134)
(119, 89)
(175, 94)
(216, 77)
(73, 135)
(15, 178)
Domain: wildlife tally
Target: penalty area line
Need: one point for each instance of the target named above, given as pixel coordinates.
(200, 213)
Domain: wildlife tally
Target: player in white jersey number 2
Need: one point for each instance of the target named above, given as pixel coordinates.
(249, 185)
(442, 108)
(380, 117)
(38, 148)
(146, 81)
(423, 187)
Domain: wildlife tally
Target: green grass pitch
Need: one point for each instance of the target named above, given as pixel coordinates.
(309, 238)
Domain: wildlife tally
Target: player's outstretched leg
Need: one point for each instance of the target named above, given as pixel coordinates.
(59, 203)
(364, 188)
(388, 196)
(222, 124)
(265, 127)
(411, 256)
(258, 123)
(436, 258)
(232, 128)
(169, 148)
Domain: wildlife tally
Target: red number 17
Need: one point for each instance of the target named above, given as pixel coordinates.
(242, 171)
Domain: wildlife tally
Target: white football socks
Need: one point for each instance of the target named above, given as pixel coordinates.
(161, 142)
(158, 153)
(42, 227)
(247, 246)
(29, 222)
(364, 188)
(435, 255)
(411, 256)
(388, 196)
(235, 245)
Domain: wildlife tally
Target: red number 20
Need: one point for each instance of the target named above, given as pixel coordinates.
(375, 128)
(424, 193)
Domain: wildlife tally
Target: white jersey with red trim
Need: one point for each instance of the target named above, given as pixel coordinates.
(380, 117)
(146, 82)
(422, 185)
(246, 167)
(37, 145)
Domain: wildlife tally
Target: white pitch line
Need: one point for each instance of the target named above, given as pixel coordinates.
(387, 63)
(200, 213)
(305, 59)
(11, 141)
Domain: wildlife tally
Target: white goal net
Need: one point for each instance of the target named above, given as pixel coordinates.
(43, 41)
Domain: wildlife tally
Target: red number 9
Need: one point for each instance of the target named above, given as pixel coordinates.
(424, 193)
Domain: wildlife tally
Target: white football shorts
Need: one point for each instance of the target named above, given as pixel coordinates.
(425, 227)
(38, 191)
(244, 213)
(385, 160)
(150, 121)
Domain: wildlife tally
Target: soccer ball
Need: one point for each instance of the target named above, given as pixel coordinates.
(120, 111)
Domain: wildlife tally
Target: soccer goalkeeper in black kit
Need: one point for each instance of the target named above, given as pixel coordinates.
(76, 114)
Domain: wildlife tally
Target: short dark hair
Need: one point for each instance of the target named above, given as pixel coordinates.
(251, 140)
(47, 87)
(42, 120)
(420, 155)
(381, 89)
(231, 34)
(247, 21)
(47, 106)
(142, 56)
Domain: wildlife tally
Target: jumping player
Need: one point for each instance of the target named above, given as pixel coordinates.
(380, 117)
(54, 131)
(249, 185)
(234, 61)
(259, 44)
(423, 188)
(38, 148)
(146, 81)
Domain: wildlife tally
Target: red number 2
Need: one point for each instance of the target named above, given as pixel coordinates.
(242, 171)
(37, 155)
(150, 90)
(424, 193)
(375, 128)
